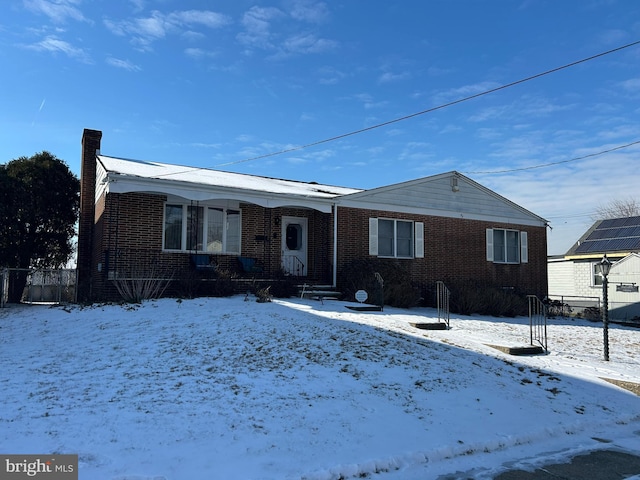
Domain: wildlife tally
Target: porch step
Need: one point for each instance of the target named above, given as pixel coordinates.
(523, 350)
(429, 325)
(318, 292)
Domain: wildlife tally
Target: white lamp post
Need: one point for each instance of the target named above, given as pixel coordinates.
(605, 268)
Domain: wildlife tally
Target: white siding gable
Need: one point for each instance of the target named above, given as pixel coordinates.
(436, 196)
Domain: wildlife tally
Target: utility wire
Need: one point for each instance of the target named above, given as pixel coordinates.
(433, 109)
(543, 165)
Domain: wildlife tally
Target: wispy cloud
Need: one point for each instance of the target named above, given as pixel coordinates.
(58, 11)
(368, 101)
(613, 37)
(527, 106)
(258, 34)
(464, 91)
(138, 5)
(146, 30)
(306, 43)
(331, 75)
(55, 45)
(257, 23)
(199, 53)
(205, 145)
(389, 77)
(631, 86)
(438, 71)
(308, 11)
(124, 64)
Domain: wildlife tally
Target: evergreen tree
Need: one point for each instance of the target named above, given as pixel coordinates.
(39, 201)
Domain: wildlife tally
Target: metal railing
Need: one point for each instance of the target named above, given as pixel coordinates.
(293, 265)
(537, 321)
(573, 306)
(4, 286)
(443, 296)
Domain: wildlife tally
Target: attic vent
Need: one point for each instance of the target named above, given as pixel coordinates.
(454, 184)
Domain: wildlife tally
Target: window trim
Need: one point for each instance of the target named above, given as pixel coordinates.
(417, 238)
(522, 248)
(596, 276)
(205, 227)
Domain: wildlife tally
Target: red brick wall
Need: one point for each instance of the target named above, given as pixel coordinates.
(90, 145)
(129, 227)
(266, 224)
(128, 239)
(455, 251)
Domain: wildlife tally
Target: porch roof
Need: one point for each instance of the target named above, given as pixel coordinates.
(121, 175)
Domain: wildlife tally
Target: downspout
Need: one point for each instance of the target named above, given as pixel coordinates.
(335, 245)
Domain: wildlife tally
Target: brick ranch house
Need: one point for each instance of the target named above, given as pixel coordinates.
(137, 216)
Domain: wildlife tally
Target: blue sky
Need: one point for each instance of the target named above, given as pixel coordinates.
(214, 84)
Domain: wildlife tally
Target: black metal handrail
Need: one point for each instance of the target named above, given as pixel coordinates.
(293, 265)
(443, 296)
(537, 321)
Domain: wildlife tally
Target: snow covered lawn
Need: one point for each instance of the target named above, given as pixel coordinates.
(223, 388)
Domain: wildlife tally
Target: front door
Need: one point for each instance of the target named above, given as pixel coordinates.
(294, 245)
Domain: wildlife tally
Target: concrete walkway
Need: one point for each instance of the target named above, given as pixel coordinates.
(596, 465)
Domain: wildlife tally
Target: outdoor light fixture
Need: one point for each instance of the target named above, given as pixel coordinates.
(605, 268)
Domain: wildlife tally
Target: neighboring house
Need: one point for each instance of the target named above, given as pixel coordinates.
(142, 216)
(577, 274)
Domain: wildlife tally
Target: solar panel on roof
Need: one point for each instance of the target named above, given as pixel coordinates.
(620, 222)
(609, 223)
(592, 246)
(598, 235)
(611, 233)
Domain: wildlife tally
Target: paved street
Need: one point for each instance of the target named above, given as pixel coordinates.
(596, 465)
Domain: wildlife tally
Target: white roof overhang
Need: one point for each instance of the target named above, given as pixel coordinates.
(118, 183)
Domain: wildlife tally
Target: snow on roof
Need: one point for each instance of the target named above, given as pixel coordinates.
(216, 178)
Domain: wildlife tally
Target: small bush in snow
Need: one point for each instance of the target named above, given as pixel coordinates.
(474, 298)
(398, 290)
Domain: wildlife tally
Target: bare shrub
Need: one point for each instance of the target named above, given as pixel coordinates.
(264, 295)
(555, 308)
(143, 283)
(223, 285)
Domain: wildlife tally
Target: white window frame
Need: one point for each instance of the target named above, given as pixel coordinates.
(417, 245)
(205, 220)
(597, 278)
(522, 247)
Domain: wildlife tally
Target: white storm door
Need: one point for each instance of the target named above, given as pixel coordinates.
(294, 245)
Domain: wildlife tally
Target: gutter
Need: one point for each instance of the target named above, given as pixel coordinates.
(591, 256)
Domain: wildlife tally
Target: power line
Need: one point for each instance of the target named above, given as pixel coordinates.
(543, 165)
(433, 109)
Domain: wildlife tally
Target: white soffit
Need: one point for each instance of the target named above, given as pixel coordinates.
(198, 184)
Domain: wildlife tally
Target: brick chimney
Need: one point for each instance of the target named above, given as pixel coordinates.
(90, 149)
